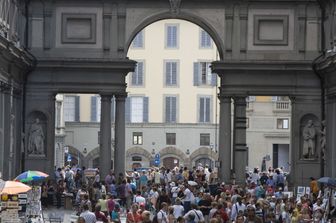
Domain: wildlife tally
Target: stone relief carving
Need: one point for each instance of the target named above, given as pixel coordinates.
(36, 139)
(175, 6)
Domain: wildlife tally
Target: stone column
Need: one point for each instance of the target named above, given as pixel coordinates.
(239, 139)
(119, 150)
(224, 152)
(330, 169)
(105, 136)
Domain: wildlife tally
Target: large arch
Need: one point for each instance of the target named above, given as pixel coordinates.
(94, 154)
(203, 152)
(138, 151)
(193, 18)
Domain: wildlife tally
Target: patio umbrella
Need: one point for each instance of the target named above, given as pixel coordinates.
(13, 187)
(31, 175)
(327, 180)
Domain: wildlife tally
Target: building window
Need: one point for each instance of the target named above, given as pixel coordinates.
(137, 158)
(71, 108)
(280, 98)
(203, 74)
(171, 138)
(170, 109)
(282, 123)
(171, 36)
(171, 73)
(205, 39)
(205, 139)
(138, 41)
(137, 109)
(138, 74)
(137, 139)
(204, 109)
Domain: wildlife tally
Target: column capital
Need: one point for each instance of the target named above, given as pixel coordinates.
(331, 98)
(121, 96)
(224, 98)
(292, 99)
(239, 100)
(105, 97)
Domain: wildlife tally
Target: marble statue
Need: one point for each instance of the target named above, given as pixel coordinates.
(36, 139)
(309, 136)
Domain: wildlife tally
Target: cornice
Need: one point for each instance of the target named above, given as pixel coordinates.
(12, 54)
(86, 63)
(219, 66)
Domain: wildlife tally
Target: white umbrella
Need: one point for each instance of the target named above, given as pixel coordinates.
(192, 183)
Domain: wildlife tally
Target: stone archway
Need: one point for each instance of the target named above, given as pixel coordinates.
(177, 153)
(93, 155)
(77, 157)
(144, 156)
(204, 22)
(203, 152)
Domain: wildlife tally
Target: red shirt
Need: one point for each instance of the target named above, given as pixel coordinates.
(133, 217)
(101, 216)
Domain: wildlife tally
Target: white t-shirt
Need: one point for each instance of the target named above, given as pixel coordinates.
(139, 199)
(197, 213)
(178, 210)
(175, 191)
(188, 194)
(161, 215)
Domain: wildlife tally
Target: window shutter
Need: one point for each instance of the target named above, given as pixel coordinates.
(214, 79)
(145, 109)
(93, 108)
(196, 74)
(168, 73)
(174, 37)
(203, 41)
(134, 76)
(113, 110)
(173, 109)
(173, 73)
(167, 116)
(128, 110)
(207, 110)
(201, 110)
(76, 108)
(140, 73)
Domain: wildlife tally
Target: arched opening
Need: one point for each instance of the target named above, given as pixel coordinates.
(173, 92)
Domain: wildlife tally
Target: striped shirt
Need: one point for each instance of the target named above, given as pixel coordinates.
(89, 216)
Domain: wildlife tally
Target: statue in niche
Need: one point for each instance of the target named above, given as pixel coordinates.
(309, 135)
(36, 139)
(323, 132)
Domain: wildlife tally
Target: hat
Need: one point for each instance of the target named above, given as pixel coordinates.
(172, 184)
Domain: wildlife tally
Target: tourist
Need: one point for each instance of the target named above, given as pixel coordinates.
(133, 216)
(100, 216)
(89, 216)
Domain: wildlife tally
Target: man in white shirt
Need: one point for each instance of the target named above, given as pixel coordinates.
(178, 208)
(187, 198)
(138, 198)
(89, 216)
(197, 213)
(162, 214)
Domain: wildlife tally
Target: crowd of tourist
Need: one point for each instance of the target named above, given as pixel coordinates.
(189, 195)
